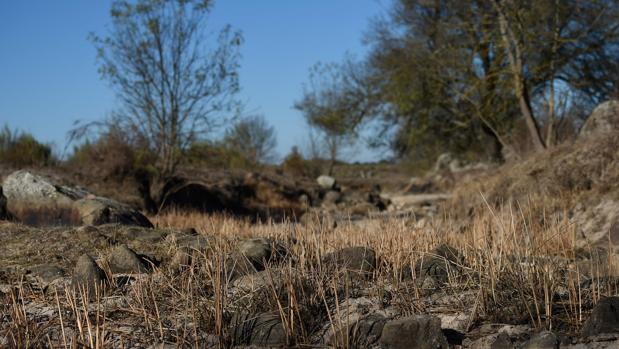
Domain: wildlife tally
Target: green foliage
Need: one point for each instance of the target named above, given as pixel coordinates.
(295, 165)
(176, 82)
(112, 155)
(216, 155)
(253, 139)
(20, 149)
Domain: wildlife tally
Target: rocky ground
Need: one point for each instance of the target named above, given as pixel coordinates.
(523, 256)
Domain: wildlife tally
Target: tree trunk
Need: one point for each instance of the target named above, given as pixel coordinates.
(514, 55)
(144, 183)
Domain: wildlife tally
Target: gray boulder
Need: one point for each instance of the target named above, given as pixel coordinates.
(262, 330)
(603, 120)
(34, 194)
(543, 340)
(326, 182)
(418, 331)
(252, 255)
(123, 260)
(357, 260)
(604, 318)
(87, 274)
(4, 211)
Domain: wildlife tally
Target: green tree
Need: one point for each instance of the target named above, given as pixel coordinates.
(174, 82)
(21, 149)
(253, 138)
(451, 73)
(335, 102)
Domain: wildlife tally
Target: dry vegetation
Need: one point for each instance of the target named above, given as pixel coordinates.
(514, 269)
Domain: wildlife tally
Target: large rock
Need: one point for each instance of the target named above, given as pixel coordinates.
(604, 119)
(356, 260)
(252, 255)
(418, 331)
(263, 330)
(123, 260)
(35, 196)
(4, 211)
(604, 318)
(543, 340)
(326, 182)
(87, 274)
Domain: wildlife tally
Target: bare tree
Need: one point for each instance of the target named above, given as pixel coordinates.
(176, 81)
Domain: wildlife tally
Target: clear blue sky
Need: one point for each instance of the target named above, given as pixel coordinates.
(49, 79)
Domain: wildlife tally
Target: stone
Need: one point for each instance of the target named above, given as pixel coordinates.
(543, 340)
(4, 211)
(418, 331)
(438, 264)
(123, 260)
(252, 255)
(364, 332)
(499, 340)
(604, 318)
(357, 260)
(603, 120)
(331, 198)
(31, 192)
(97, 211)
(88, 274)
(263, 329)
(46, 273)
(326, 182)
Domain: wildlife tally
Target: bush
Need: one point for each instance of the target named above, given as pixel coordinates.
(217, 155)
(295, 165)
(20, 149)
(111, 155)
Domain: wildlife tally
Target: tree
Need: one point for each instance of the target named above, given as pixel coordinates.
(253, 138)
(174, 83)
(451, 71)
(334, 103)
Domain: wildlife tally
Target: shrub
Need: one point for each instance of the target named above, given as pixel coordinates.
(21, 149)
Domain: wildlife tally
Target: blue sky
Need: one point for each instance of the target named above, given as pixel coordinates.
(49, 79)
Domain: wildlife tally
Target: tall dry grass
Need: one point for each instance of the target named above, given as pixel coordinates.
(515, 268)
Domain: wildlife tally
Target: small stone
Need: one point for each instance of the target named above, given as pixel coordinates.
(419, 331)
(123, 260)
(263, 329)
(252, 255)
(604, 318)
(495, 341)
(46, 273)
(358, 260)
(543, 340)
(88, 274)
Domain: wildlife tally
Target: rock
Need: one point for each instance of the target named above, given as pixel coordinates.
(499, 340)
(438, 264)
(264, 329)
(357, 260)
(543, 340)
(361, 333)
(331, 198)
(123, 260)
(604, 318)
(88, 274)
(4, 211)
(97, 211)
(418, 331)
(252, 255)
(46, 273)
(604, 119)
(34, 194)
(326, 182)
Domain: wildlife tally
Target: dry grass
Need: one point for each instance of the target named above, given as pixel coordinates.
(515, 269)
